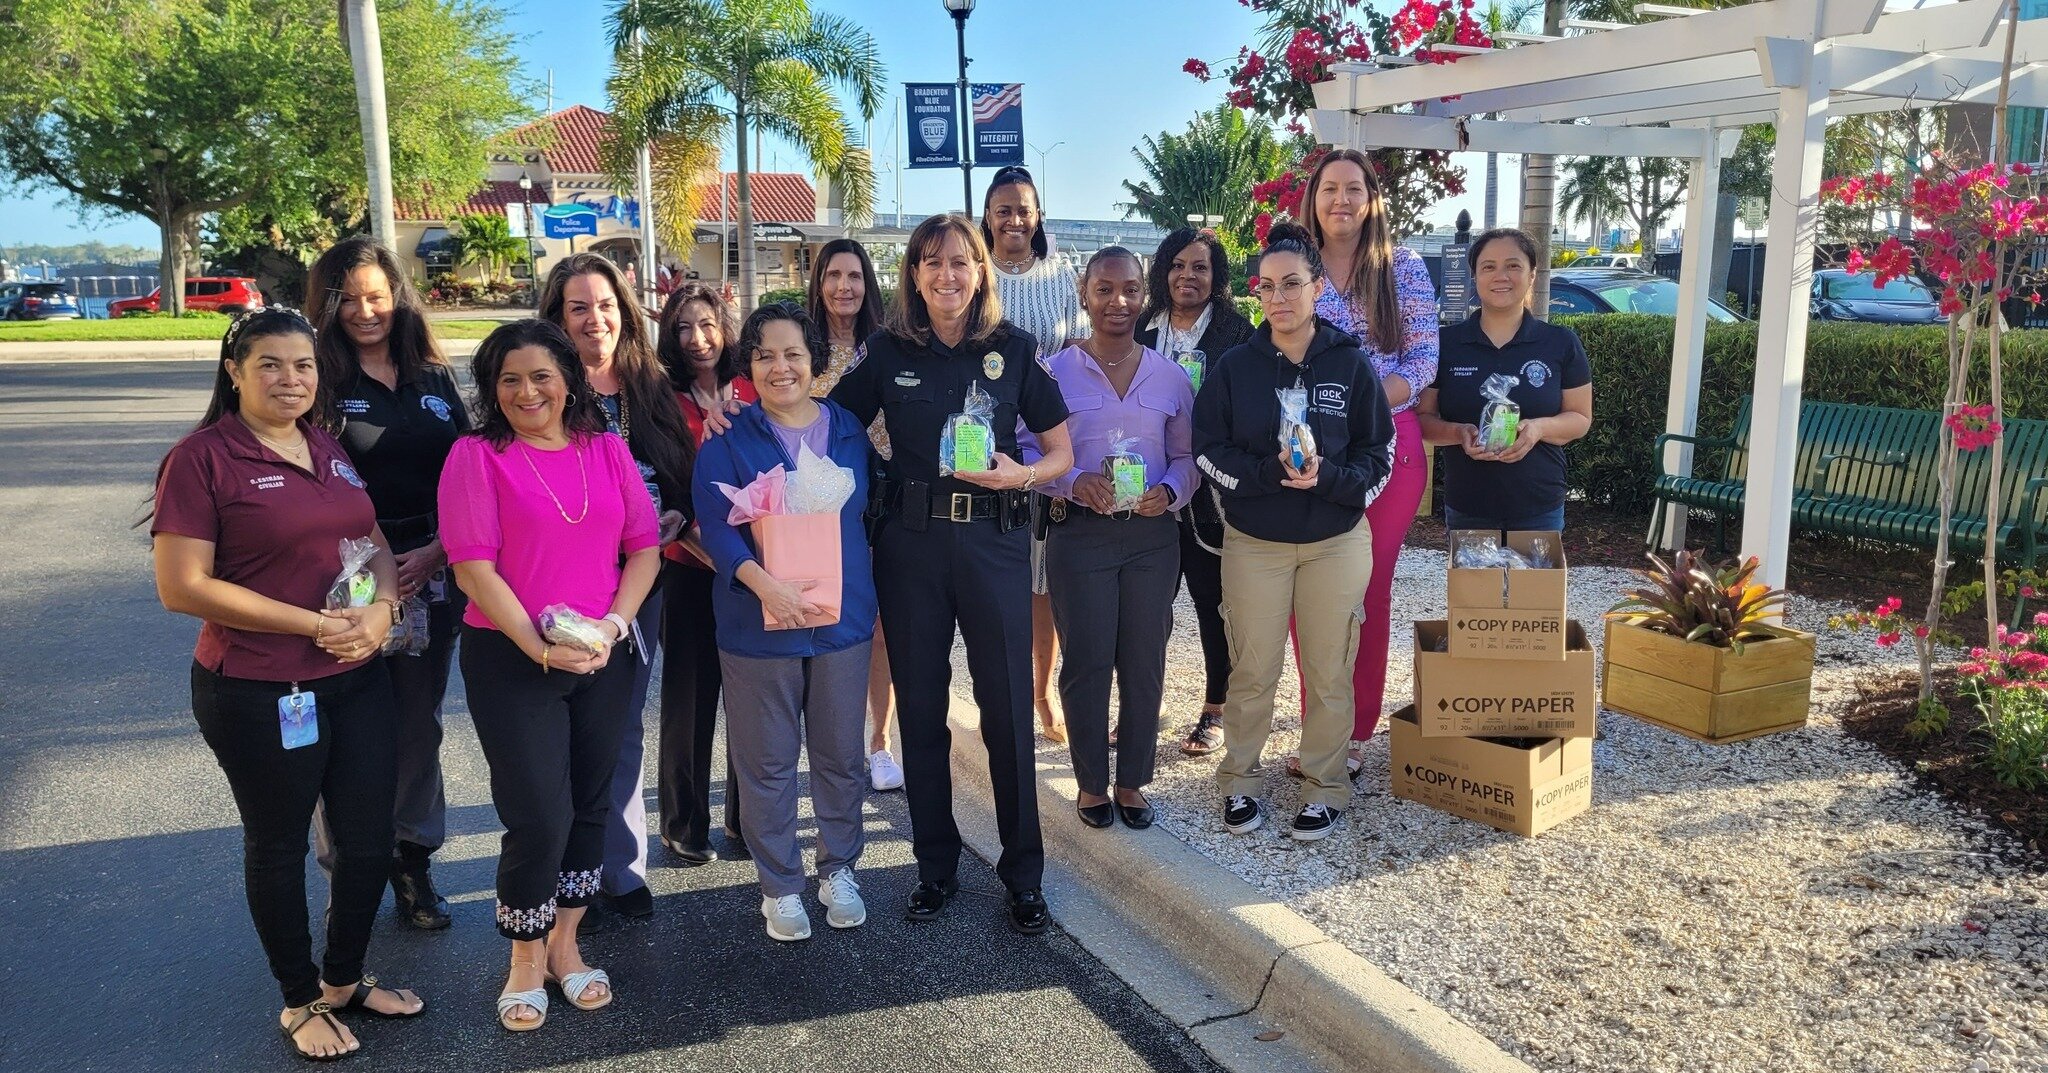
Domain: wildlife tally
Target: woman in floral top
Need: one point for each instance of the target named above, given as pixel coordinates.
(847, 303)
(1380, 293)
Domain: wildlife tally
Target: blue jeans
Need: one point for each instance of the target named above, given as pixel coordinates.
(1549, 521)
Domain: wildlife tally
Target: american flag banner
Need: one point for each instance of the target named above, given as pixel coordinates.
(998, 109)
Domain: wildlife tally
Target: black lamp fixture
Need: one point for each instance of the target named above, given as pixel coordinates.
(960, 9)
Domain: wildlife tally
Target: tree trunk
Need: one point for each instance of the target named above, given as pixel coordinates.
(1492, 191)
(1539, 183)
(748, 291)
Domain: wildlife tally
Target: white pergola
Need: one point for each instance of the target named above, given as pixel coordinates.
(1682, 87)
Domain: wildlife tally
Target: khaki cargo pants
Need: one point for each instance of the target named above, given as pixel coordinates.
(1321, 587)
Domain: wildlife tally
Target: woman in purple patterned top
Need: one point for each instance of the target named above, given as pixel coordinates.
(1380, 293)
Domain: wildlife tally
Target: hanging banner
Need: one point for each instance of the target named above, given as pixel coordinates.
(998, 123)
(932, 115)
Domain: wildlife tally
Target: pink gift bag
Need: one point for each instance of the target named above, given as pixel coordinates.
(803, 547)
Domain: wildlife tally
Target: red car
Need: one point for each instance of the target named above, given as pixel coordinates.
(220, 294)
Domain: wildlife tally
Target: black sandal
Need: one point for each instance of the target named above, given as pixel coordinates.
(360, 1000)
(1207, 737)
(318, 1008)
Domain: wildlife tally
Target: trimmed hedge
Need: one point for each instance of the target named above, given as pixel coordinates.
(1871, 364)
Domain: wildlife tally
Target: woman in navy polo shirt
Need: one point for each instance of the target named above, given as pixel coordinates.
(1521, 486)
(394, 406)
(794, 683)
(251, 509)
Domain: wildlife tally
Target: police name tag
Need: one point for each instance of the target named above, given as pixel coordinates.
(298, 719)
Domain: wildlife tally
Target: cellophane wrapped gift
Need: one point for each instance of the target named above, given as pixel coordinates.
(968, 441)
(1296, 438)
(562, 625)
(1501, 421)
(1125, 468)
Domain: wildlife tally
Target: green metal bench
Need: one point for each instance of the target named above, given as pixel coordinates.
(1872, 471)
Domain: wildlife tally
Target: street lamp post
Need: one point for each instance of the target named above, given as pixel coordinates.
(960, 9)
(526, 210)
(1042, 154)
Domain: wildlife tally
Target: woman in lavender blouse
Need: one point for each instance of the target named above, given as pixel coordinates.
(1380, 293)
(1113, 573)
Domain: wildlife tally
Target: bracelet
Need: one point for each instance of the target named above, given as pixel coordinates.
(1030, 476)
(319, 626)
(544, 657)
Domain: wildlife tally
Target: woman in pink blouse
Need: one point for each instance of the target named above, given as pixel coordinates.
(540, 506)
(1380, 293)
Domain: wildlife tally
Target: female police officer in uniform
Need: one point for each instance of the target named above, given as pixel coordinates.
(957, 549)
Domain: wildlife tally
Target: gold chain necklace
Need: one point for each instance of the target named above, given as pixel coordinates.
(1107, 364)
(289, 450)
(527, 453)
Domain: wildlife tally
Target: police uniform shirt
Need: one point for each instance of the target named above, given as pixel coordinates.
(917, 386)
(399, 439)
(1547, 360)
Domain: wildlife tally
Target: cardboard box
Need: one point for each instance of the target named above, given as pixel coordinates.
(1522, 786)
(1508, 633)
(1456, 696)
(1497, 587)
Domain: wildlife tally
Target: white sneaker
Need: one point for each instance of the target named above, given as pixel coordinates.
(840, 896)
(787, 921)
(883, 771)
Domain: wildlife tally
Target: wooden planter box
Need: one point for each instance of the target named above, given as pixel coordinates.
(1705, 692)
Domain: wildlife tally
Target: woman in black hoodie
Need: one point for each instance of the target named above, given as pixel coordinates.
(1295, 543)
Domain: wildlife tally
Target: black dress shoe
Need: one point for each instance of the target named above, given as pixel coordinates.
(1097, 816)
(637, 903)
(1136, 817)
(929, 900)
(1028, 912)
(412, 890)
(690, 856)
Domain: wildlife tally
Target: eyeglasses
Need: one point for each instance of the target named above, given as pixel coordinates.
(1268, 291)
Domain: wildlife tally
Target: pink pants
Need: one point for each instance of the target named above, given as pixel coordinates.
(1390, 517)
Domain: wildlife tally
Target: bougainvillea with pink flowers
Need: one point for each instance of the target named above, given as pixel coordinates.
(1300, 43)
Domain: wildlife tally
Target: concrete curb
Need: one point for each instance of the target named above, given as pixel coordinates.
(1267, 959)
(24, 353)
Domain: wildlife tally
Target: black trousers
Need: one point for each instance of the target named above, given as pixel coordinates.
(1203, 570)
(690, 681)
(551, 740)
(973, 575)
(419, 683)
(1112, 582)
(351, 767)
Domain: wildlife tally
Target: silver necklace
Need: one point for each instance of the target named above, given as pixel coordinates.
(1107, 364)
(1015, 266)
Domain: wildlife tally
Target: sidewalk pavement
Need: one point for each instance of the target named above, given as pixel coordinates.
(22, 353)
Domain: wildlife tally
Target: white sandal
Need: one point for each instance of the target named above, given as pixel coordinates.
(536, 998)
(576, 983)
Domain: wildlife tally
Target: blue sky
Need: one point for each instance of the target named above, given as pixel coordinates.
(1098, 76)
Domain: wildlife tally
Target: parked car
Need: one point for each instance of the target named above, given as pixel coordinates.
(1620, 290)
(38, 301)
(1609, 260)
(1844, 295)
(218, 294)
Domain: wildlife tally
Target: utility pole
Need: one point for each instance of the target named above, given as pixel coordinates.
(960, 9)
(645, 167)
(366, 51)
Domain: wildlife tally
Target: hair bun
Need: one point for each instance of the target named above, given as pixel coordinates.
(1287, 231)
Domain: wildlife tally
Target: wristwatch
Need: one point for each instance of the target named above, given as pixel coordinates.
(624, 630)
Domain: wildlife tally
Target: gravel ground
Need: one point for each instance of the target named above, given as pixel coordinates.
(1791, 903)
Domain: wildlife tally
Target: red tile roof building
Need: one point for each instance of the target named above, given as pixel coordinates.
(779, 198)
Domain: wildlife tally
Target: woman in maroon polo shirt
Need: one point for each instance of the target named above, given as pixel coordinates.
(251, 509)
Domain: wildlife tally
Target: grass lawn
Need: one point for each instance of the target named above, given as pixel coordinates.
(134, 329)
(122, 330)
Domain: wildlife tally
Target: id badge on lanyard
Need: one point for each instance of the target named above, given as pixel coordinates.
(298, 719)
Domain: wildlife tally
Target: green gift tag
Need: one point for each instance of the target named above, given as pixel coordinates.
(970, 446)
(1127, 476)
(362, 588)
(1193, 364)
(1507, 424)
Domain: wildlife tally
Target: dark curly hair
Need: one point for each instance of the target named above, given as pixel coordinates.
(670, 350)
(742, 356)
(581, 415)
(1158, 301)
(1293, 238)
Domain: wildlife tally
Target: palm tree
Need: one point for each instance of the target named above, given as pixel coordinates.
(688, 73)
(1595, 191)
(1496, 19)
(485, 239)
(1208, 170)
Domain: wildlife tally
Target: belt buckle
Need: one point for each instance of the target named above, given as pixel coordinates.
(961, 507)
(1057, 508)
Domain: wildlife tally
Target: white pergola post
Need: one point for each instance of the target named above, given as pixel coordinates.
(1799, 71)
(1688, 344)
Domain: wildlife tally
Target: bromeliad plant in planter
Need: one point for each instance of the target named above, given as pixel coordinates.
(1699, 650)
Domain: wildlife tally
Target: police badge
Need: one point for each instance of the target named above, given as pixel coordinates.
(992, 365)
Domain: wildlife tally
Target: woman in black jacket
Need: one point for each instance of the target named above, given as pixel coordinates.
(1295, 432)
(1189, 317)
